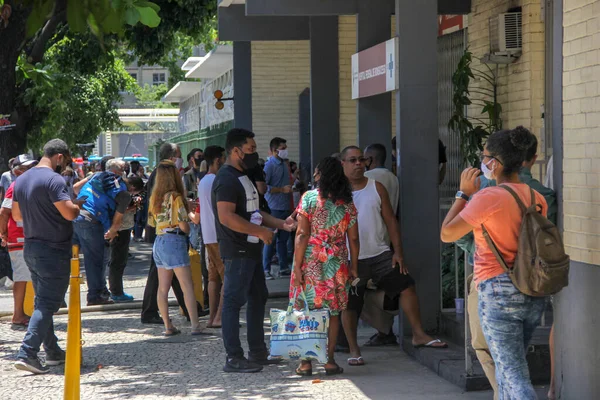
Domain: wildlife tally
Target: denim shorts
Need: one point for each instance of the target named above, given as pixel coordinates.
(171, 251)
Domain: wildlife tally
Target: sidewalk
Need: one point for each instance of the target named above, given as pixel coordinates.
(134, 280)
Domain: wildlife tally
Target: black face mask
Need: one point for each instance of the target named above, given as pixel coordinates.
(198, 161)
(250, 160)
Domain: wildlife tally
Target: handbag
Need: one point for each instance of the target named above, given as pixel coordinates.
(299, 335)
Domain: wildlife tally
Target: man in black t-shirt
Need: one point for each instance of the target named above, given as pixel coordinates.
(238, 221)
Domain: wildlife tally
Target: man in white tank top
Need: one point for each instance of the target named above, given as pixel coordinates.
(376, 261)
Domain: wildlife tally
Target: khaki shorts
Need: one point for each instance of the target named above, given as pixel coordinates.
(20, 269)
(216, 268)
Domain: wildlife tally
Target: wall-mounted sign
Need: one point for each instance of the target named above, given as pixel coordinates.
(5, 124)
(451, 23)
(375, 70)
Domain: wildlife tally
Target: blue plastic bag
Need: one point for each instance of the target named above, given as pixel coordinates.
(299, 335)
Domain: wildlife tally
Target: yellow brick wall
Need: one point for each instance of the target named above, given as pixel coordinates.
(581, 129)
(521, 84)
(347, 47)
(280, 72)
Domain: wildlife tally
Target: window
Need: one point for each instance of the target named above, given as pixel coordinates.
(133, 75)
(158, 78)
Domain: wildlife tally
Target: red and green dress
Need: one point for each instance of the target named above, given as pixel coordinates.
(325, 266)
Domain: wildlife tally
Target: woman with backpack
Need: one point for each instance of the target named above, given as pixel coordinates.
(508, 316)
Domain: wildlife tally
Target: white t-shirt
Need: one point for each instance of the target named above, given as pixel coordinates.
(390, 182)
(207, 217)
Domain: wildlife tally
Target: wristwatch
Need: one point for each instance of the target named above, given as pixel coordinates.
(461, 195)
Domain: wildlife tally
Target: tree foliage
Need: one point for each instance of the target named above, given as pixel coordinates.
(63, 60)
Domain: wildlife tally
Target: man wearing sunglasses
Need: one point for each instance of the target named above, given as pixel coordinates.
(376, 261)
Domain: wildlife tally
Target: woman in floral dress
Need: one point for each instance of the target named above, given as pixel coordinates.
(326, 222)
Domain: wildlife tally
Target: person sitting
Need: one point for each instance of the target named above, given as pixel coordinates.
(377, 261)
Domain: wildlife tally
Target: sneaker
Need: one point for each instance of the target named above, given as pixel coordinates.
(264, 360)
(241, 365)
(56, 357)
(268, 276)
(32, 365)
(124, 298)
(154, 320)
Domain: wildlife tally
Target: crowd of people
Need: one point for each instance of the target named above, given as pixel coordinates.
(335, 240)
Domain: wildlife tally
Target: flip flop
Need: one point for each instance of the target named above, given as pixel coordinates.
(335, 371)
(431, 345)
(214, 326)
(199, 332)
(172, 332)
(18, 325)
(356, 362)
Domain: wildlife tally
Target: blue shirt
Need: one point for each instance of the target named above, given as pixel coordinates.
(277, 176)
(36, 191)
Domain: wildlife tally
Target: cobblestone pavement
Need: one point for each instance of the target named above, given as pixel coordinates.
(126, 360)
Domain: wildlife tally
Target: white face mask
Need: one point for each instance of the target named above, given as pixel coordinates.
(283, 154)
(179, 162)
(488, 173)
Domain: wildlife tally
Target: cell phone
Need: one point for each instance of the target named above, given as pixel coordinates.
(83, 198)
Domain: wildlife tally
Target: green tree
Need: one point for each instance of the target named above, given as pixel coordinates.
(29, 28)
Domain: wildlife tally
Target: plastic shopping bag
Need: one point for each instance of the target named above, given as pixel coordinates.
(299, 335)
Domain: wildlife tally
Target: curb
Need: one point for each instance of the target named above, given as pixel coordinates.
(132, 305)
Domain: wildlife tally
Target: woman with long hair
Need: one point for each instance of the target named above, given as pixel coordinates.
(326, 221)
(508, 317)
(168, 213)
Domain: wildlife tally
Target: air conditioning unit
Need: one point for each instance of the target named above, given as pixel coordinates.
(506, 34)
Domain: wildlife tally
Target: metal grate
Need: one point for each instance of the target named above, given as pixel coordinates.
(512, 31)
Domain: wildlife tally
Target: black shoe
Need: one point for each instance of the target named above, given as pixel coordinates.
(32, 365)
(156, 320)
(264, 360)
(56, 357)
(382, 340)
(100, 301)
(241, 365)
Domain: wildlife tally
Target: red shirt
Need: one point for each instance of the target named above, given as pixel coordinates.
(16, 237)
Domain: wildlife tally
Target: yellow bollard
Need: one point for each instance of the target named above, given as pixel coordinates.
(73, 361)
(197, 276)
(28, 302)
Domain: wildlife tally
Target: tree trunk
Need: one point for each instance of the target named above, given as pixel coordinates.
(12, 37)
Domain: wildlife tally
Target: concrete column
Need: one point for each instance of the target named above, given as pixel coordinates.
(417, 141)
(242, 84)
(374, 113)
(324, 88)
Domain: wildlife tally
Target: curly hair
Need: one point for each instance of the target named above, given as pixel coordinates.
(511, 147)
(333, 184)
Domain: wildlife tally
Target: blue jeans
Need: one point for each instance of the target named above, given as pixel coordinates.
(195, 236)
(280, 240)
(50, 268)
(244, 283)
(508, 319)
(90, 236)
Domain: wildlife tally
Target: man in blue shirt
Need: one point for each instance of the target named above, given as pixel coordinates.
(279, 198)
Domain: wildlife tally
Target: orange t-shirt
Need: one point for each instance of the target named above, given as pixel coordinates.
(495, 208)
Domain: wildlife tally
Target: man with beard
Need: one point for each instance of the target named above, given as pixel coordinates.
(41, 201)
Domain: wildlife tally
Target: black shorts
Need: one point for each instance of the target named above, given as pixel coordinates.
(384, 276)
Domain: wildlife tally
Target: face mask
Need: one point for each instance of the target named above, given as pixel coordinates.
(179, 162)
(486, 171)
(283, 154)
(250, 160)
(198, 161)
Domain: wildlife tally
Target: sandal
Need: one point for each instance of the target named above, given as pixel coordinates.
(334, 371)
(303, 372)
(432, 345)
(172, 332)
(24, 323)
(356, 362)
(198, 332)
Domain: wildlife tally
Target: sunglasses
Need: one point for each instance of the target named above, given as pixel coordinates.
(484, 156)
(354, 160)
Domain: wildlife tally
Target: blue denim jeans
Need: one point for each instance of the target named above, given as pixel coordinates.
(508, 319)
(90, 236)
(281, 242)
(244, 283)
(195, 236)
(50, 268)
